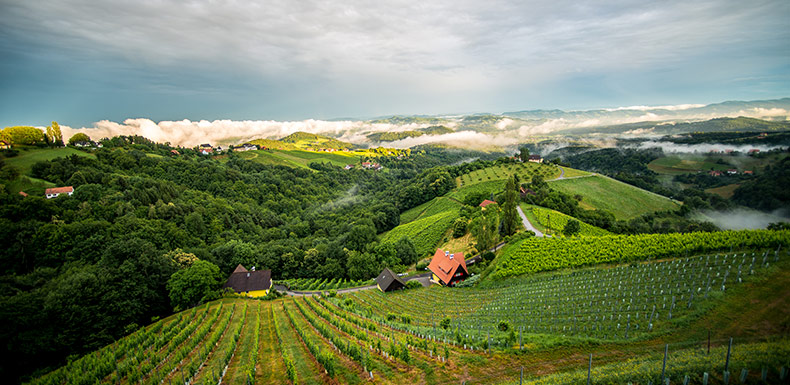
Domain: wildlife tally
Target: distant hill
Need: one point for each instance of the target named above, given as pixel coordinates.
(393, 136)
(437, 130)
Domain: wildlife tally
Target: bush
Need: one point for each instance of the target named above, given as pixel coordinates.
(391, 317)
(445, 324)
(413, 284)
(503, 326)
(422, 266)
(332, 293)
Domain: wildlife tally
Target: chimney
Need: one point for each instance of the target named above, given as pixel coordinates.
(446, 253)
(451, 256)
(253, 268)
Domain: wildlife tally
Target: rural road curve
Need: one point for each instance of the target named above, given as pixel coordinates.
(527, 224)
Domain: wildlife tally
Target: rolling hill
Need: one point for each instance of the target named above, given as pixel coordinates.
(621, 199)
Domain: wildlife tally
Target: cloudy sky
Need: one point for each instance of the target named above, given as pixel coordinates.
(81, 61)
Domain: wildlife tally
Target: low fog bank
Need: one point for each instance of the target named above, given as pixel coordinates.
(703, 148)
(743, 218)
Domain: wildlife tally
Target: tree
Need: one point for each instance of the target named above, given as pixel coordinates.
(180, 258)
(523, 154)
(79, 137)
(54, 136)
(509, 212)
(484, 228)
(459, 227)
(193, 285)
(405, 251)
(572, 227)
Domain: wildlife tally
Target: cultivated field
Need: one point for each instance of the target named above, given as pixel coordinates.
(546, 323)
(525, 171)
(297, 158)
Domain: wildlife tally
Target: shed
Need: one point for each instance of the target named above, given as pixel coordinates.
(252, 283)
(389, 281)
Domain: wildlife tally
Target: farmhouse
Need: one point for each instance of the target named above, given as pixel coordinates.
(5, 145)
(246, 147)
(389, 281)
(485, 203)
(448, 269)
(535, 158)
(371, 166)
(250, 282)
(715, 173)
(56, 191)
(732, 171)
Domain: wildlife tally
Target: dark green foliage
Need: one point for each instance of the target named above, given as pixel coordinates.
(193, 285)
(413, 284)
(768, 190)
(510, 218)
(459, 227)
(572, 227)
(445, 323)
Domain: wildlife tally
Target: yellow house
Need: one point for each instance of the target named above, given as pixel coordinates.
(250, 282)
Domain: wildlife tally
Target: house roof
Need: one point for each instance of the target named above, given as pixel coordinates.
(486, 203)
(445, 265)
(59, 190)
(240, 269)
(24, 194)
(388, 280)
(534, 157)
(4, 142)
(249, 281)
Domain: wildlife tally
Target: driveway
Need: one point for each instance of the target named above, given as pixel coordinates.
(527, 224)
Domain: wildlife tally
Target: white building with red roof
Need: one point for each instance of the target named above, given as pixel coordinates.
(56, 191)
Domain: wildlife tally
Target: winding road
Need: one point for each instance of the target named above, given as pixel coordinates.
(527, 223)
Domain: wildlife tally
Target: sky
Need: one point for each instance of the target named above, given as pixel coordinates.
(83, 61)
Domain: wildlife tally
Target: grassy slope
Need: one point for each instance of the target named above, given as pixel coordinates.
(725, 192)
(621, 199)
(29, 156)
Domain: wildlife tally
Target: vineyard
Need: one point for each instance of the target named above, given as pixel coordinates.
(443, 335)
(534, 255)
(525, 171)
(434, 206)
(317, 284)
(425, 233)
(556, 221)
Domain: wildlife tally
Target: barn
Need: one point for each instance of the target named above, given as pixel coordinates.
(389, 281)
(250, 282)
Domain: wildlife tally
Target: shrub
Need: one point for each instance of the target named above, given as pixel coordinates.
(413, 284)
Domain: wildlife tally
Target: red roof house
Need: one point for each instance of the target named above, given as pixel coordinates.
(448, 269)
(56, 191)
(486, 203)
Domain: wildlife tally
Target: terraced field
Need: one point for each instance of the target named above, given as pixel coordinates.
(545, 323)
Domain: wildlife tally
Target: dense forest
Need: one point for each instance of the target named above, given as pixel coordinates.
(80, 271)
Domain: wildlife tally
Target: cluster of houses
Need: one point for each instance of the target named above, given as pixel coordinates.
(325, 149)
(247, 147)
(87, 143)
(365, 165)
(731, 171)
(447, 269)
